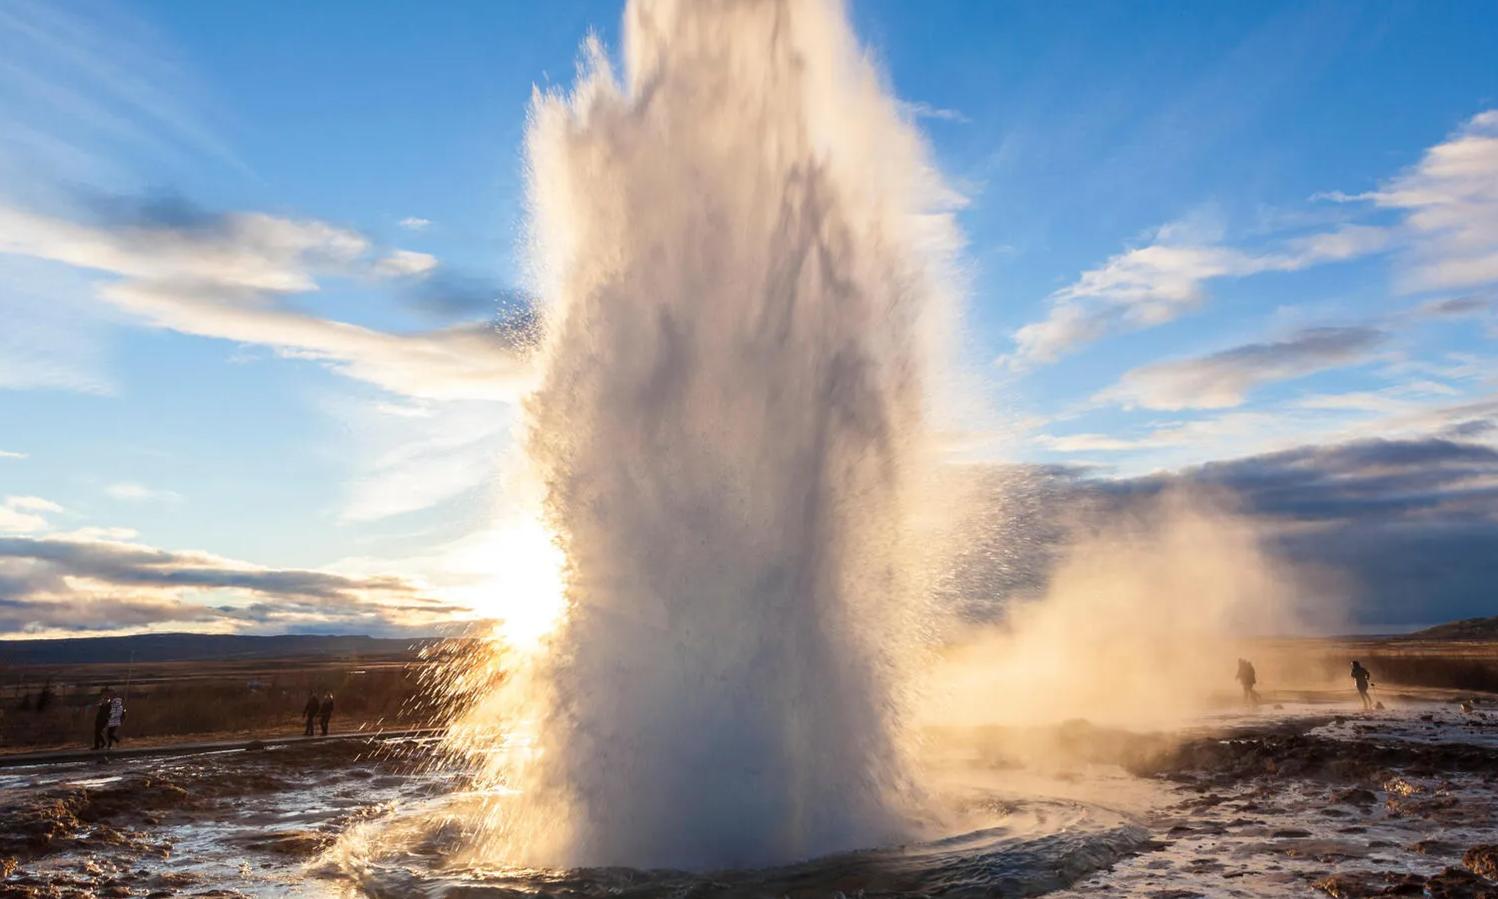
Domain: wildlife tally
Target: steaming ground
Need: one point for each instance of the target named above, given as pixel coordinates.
(1307, 799)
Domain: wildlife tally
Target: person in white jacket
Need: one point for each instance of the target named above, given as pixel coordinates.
(116, 718)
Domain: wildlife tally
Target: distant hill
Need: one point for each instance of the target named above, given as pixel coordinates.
(1467, 629)
(190, 647)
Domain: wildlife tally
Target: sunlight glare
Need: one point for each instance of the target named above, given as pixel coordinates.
(523, 587)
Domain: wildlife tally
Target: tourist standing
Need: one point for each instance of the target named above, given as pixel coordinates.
(1363, 678)
(1247, 677)
(101, 717)
(116, 718)
(309, 711)
(325, 712)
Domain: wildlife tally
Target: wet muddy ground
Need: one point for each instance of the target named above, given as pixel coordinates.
(225, 824)
(1306, 800)
(1400, 801)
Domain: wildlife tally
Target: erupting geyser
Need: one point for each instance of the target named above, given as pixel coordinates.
(741, 253)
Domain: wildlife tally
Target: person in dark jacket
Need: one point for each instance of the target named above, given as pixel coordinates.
(1247, 677)
(325, 711)
(101, 717)
(1363, 679)
(310, 711)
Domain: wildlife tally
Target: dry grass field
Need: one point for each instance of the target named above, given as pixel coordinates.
(49, 706)
(1321, 663)
(52, 706)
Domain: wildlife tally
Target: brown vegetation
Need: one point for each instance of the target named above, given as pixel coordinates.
(1318, 663)
(43, 707)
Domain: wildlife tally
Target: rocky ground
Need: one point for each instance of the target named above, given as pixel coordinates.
(1301, 800)
(221, 824)
(1399, 801)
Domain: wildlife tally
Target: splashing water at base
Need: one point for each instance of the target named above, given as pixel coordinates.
(741, 253)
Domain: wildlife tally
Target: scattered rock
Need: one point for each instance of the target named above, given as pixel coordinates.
(1452, 883)
(1455, 883)
(286, 842)
(1358, 886)
(1433, 847)
(1482, 860)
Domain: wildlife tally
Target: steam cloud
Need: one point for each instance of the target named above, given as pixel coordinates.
(1139, 623)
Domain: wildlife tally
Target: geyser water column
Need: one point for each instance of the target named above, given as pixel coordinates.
(740, 251)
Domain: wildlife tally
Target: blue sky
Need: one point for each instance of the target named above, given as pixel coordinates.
(1195, 233)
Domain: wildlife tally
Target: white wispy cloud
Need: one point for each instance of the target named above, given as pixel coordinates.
(1447, 239)
(1153, 284)
(918, 109)
(404, 264)
(32, 504)
(25, 514)
(238, 250)
(1390, 413)
(83, 91)
(8, 454)
(15, 521)
(227, 276)
(415, 223)
(1449, 201)
(421, 454)
(53, 336)
(1224, 379)
(1210, 435)
(1087, 442)
(129, 491)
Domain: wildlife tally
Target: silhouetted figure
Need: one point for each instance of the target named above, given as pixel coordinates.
(1248, 678)
(310, 710)
(325, 711)
(116, 718)
(101, 717)
(1362, 678)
